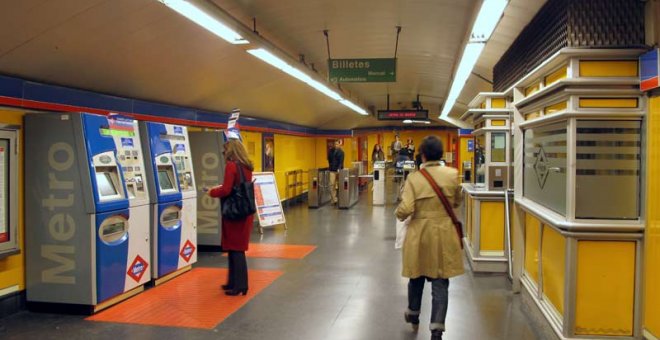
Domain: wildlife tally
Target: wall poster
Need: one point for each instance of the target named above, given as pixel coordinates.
(268, 153)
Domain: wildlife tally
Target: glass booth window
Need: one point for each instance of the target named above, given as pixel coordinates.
(608, 164)
(544, 172)
(498, 147)
(479, 159)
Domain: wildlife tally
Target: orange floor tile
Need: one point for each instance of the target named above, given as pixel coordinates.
(280, 251)
(193, 300)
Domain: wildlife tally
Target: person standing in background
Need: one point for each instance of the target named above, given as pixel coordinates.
(377, 154)
(235, 233)
(410, 148)
(396, 147)
(335, 163)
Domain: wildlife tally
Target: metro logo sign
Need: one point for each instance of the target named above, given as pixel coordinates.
(187, 251)
(649, 70)
(137, 268)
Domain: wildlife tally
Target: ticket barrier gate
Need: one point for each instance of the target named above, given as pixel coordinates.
(318, 192)
(379, 183)
(347, 180)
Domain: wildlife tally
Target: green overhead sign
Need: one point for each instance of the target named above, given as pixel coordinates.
(381, 70)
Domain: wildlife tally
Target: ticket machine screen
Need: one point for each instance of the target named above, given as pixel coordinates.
(105, 185)
(164, 180)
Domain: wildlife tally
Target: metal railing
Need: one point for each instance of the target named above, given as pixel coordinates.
(507, 231)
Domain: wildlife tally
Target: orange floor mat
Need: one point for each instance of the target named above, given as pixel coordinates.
(280, 251)
(193, 300)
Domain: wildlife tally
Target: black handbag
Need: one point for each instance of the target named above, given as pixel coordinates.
(240, 202)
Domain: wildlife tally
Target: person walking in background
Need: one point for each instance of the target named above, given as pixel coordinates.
(377, 154)
(235, 233)
(432, 247)
(335, 163)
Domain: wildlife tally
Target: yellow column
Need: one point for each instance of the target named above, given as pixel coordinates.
(652, 246)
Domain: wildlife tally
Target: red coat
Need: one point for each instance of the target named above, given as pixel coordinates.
(235, 234)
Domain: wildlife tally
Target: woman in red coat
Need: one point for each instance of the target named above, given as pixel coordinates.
(236, 233)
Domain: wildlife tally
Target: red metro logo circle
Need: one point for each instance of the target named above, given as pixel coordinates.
(187, 251)
(137, 268)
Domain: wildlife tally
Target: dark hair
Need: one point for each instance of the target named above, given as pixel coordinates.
(431, 148)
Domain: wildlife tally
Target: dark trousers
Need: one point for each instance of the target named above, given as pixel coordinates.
(237, 276)
(440, 294)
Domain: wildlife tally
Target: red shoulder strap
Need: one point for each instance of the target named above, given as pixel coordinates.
(445, 203)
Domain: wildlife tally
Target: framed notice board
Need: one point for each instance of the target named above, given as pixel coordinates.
(8, 192)
(267, 200)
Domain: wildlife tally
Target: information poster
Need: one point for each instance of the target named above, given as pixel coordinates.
(267, 199)
(4, 192)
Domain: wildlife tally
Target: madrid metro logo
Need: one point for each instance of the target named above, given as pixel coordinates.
(137, 268)
(541, 167)
(187, 251)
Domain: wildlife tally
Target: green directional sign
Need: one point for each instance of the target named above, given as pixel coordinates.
(380, 70)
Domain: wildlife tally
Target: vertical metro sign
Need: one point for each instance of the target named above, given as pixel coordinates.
(649, 69)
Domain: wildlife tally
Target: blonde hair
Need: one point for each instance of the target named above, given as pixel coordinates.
(235, 151)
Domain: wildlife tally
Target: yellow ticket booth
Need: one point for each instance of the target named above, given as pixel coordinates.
(578, 159)
(485, 212)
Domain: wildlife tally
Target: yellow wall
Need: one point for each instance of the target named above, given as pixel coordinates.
(605, 286)
(293, 153)
(532, 234)
(491, 226)
(12, 268)
(553, 259)
(652, 246)
(321, 150)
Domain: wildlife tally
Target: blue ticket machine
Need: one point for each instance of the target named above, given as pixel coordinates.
(86, 244)
(174, 209)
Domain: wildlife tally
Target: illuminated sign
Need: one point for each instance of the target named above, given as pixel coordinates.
(403, 114)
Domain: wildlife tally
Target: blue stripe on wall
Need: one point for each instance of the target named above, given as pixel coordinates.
(36, 91)
(11, 87)
(62, 95)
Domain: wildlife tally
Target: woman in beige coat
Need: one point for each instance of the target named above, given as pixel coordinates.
(432, 248)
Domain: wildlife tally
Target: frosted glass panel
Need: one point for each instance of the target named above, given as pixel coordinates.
(608, 164)
(544, 170)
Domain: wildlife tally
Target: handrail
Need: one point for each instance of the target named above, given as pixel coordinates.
(507, 229)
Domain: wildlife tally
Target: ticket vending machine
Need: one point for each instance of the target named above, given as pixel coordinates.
(206, 148)
(379, 183)
(87, 236)
(169, 173)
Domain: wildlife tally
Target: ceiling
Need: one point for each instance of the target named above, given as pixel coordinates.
(142, 49)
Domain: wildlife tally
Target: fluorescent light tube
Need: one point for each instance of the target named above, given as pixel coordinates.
(275, 61)
(469, 59)
(489, 15)
(202, 18)
(354, 107)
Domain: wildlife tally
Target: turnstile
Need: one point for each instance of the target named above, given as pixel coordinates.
(379, 183)
(347, 180)
(318, 192)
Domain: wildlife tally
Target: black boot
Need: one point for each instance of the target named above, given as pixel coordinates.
(436, 335)
(413, 320)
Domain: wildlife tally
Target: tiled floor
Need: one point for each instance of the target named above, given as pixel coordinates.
(348, 288)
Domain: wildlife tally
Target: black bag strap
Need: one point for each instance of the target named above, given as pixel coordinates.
(445, 203)
(240, 172)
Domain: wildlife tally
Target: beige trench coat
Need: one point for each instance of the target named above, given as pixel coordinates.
(432, 247)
